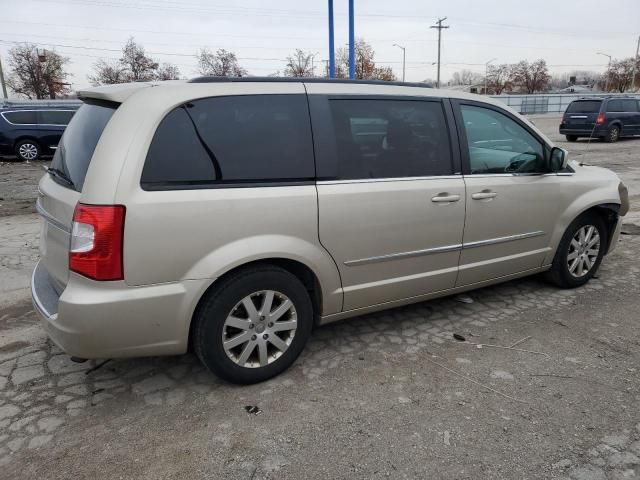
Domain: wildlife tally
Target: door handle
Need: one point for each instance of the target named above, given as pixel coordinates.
(445, 198)
(484, 195)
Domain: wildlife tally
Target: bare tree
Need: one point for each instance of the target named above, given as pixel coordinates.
(531, 77)
(499, 78)
(134, 65)
(618, 76)
(299, 64)
(364, 62)
(222, 63)
(466, 77)
(166, 71)
(37, 74)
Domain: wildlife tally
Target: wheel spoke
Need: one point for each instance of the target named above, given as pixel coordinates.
(250, 308)
(267, 302)
(593, 252)
(587, 264)
(575, 244)
(582, 235)
(573, 265)
(246, 352)
(262, 354)
(285, 325)
(593, 241)
(277, 342)
(573, 255)
(236, 322)
(281, 310)
(580, 268)
(590, 230)
(237, 340)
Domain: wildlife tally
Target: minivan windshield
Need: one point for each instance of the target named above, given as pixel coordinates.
(584, 106)
(74, 152)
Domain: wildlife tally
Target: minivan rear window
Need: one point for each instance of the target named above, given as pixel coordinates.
(79, 141)
(584, 106)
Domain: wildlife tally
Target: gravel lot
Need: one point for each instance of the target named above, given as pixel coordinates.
(389, 395)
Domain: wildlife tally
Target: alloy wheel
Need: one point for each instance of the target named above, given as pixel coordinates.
(583, 251)
(28, 151)
(259, 329)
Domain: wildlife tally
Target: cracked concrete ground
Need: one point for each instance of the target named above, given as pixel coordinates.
(384, 395)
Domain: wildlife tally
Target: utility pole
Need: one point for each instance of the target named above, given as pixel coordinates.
(633, 75)
(4, 85)
(439, 26)
(404, 57)
(352, 43)
(332, 56)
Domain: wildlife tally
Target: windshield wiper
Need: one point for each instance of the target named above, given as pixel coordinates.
(59, 174)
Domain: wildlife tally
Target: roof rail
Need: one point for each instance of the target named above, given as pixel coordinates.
(212, 79)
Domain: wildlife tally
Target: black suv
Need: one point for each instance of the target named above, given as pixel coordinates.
(607, 118)
(30, 132)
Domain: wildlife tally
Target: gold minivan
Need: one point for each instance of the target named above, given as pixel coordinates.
(230, 216)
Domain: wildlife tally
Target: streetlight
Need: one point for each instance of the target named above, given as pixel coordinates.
(404, 57)
(486, 74)
(606, 78)
(313, 70)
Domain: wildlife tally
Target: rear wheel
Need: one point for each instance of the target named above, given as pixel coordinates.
(580, 252)
(253, 325)
(613, 134)
(571, 138)
(27, 150)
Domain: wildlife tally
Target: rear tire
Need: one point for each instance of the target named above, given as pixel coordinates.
(579, 254)
(253, 325)
(613, 134)
(571, 138)
(27, 150)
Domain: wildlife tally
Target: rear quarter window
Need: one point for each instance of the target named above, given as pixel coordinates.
(79, 140)
(615, 106)
(227, 140)
(21, 118)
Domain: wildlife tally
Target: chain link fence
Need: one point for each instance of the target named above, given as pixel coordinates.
(549, 103)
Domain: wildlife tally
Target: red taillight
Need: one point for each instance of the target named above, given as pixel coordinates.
(600, 120)
(96, 241)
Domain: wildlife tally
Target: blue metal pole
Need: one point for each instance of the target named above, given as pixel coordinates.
(352, 43)
(332, 56)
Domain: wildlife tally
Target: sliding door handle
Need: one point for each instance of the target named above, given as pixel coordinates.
(484, 195)
(445, 198)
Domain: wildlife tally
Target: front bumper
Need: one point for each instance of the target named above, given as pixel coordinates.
(613, 243)
(111, 319)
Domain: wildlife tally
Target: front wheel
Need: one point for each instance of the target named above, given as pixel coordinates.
(580, 252)
(253, 325)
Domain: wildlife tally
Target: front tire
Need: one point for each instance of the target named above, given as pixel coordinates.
(27, 150)
(571, 138)
(580, 252)
(253, 325)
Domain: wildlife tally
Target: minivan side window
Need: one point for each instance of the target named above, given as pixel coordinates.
(498, 144)
(235, 139)
(55, 117)
(630, 105)
(26, 117)
(390, 138)
(615, 106)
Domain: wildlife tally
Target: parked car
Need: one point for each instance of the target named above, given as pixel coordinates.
(30, 132)
(608, 118)
(231, 216)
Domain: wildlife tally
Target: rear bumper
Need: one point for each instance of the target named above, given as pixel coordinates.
(110, 319)
(583, 132)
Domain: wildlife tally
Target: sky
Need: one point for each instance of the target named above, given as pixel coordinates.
(566, 33)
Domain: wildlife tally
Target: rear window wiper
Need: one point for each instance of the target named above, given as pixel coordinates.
(60, 175)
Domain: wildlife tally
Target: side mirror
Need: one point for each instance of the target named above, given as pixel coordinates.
(558, 159)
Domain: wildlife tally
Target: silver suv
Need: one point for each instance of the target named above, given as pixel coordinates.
(232, 216)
